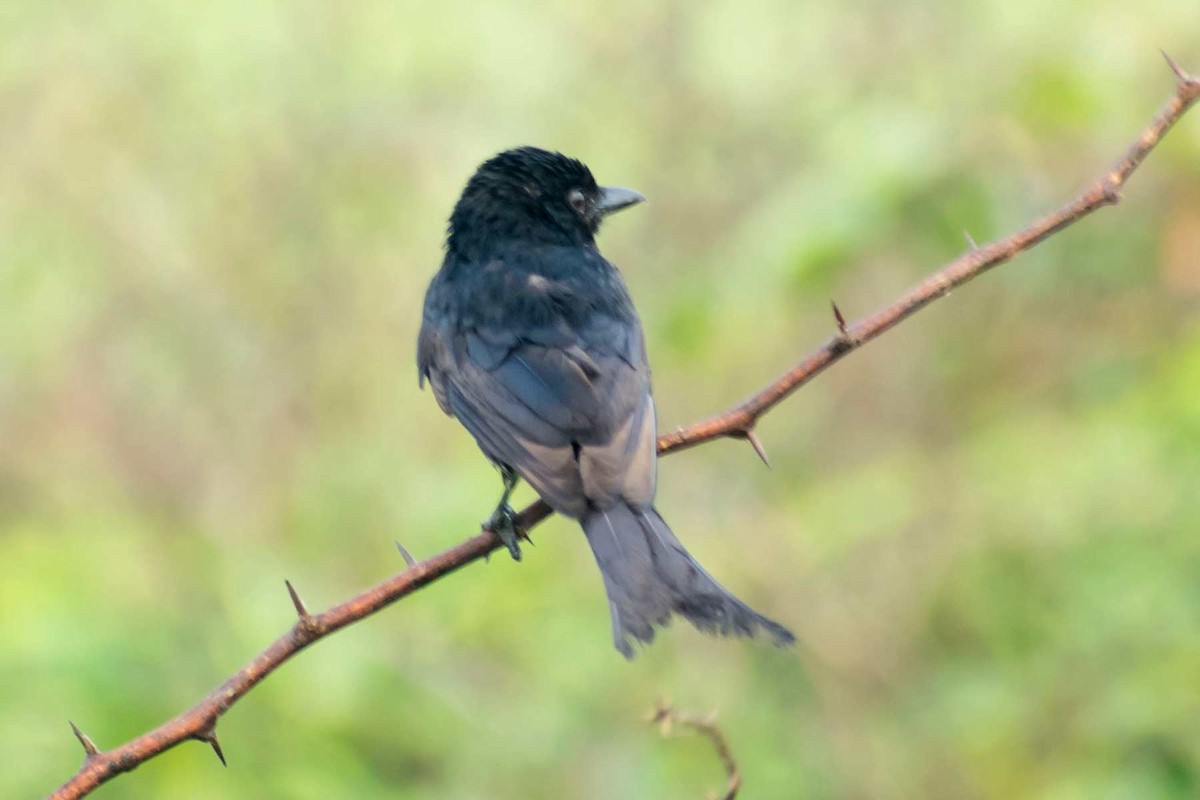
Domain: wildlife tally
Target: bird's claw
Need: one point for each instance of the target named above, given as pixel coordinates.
(503, 523)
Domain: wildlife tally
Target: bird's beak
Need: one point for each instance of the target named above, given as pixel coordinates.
(614, 198)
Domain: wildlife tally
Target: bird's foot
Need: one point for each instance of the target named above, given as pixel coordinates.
(503, 523)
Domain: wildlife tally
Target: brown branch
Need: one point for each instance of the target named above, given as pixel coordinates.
(200, 721)
(666, 718)
(739, 422)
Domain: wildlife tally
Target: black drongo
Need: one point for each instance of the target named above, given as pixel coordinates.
(531, 341)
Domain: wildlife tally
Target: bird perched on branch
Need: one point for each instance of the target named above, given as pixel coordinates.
(531, 341)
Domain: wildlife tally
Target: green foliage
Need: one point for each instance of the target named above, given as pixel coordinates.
(216, 225)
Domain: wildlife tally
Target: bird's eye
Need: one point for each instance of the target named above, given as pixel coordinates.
(577, 201)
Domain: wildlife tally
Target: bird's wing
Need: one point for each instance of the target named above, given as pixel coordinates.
(430, 348)
(570, 410)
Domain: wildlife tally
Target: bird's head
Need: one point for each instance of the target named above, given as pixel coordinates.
(533, 195)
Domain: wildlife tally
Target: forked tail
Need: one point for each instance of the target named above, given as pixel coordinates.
(648, 575)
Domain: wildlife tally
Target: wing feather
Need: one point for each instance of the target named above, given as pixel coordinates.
(576, 422)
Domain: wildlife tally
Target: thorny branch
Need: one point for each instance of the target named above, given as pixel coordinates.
(666, 718)
(199, 722)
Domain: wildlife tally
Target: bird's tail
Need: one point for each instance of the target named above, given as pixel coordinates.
(649, 575)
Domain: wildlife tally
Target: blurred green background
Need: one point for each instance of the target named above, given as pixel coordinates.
(216, 226)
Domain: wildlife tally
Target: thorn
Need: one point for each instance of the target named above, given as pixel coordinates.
(1178, 70)
(301, 611)
(1112, 189)
(970, 241)
(663, 717)
(408, 559)
(216, 746)
(209, 735)
(89, 746)
(662, 708)
(841, 321)
(754, 441)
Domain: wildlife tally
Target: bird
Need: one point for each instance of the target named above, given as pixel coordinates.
(529, 338)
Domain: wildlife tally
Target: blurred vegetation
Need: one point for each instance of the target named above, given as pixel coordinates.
(216, 225)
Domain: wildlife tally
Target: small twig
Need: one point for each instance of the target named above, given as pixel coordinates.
(198, 722)
(666, 718)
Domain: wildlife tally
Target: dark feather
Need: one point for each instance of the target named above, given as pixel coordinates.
(531, 341)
